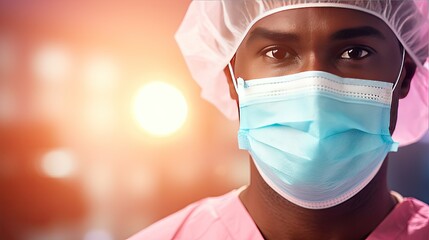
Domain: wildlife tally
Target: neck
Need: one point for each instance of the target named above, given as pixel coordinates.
(356, 218)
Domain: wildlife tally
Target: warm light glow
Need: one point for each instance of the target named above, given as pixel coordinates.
(99, 116)
(8, 55)
(58, 164)
(98, 234)
(52, 63)
(100, 72)
(143, 182)
(7, 104)
(160, 108)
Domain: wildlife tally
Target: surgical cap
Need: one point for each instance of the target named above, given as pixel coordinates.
(212, 31)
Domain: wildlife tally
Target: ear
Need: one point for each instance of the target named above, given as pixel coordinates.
(232, 91)
(406, 76)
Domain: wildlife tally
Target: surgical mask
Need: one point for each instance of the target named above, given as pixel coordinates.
(317, 139)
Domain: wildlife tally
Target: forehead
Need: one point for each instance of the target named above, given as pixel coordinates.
(321, 21)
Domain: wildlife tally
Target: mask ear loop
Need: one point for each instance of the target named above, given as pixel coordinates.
(234, 80)
(396, 145)
(400, 71)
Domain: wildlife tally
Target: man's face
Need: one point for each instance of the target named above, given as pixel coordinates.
(343, 42)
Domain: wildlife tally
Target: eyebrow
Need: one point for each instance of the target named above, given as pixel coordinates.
(263, 33)
(350, 33)
(345, 34)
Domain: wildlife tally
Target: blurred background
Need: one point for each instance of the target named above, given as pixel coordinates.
(103, 131)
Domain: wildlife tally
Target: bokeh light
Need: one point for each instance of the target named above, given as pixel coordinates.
(98, 234)
(52, 62)
(59, 164)
(160, 108)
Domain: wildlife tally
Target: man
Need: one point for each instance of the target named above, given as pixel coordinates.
(317, 84)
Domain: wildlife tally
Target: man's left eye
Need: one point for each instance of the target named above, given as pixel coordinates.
(355, 53)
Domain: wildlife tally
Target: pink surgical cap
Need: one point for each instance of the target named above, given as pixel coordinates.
(212, 31)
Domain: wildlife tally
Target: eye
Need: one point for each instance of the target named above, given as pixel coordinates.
(355, 53)
(277, 53)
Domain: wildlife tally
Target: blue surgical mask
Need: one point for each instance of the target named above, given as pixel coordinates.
(317, 139)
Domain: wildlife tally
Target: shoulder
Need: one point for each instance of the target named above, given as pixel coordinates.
(195, 221)
(417, 211)
(415, 219)
(419, 214)
(408, 220)
(166, 228)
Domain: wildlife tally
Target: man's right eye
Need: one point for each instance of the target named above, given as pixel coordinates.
(277, 53)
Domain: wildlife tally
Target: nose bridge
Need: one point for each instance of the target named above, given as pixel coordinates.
(314, 60)
(316, 55)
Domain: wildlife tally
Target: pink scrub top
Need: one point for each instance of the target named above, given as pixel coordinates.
(225, 218)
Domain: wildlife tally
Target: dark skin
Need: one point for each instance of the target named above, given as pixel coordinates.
(344, 42)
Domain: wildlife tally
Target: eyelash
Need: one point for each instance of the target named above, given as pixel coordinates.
(368, 51)
(275, 48)
(287, 54)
